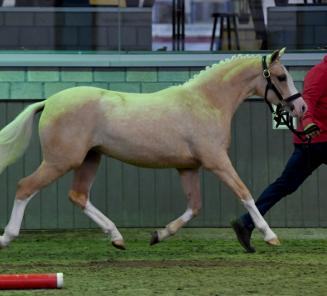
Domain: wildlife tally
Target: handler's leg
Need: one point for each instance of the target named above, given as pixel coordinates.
(301, 164)
(27, 188)
(79, 195)
(223, 168)
(191, 186)
(298, 168)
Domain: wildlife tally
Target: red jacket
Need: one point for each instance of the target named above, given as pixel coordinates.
(315, 95)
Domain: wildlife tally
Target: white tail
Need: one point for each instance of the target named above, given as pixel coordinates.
(15, 137)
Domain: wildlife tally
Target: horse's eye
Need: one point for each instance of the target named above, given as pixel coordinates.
(281, 78)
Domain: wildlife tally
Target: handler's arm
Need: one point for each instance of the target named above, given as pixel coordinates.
(314, 85)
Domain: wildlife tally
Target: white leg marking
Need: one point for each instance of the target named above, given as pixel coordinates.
(258, 220)
(175, 225)
(13, 227)
(105, 223)
(187, 216)
(163, 234)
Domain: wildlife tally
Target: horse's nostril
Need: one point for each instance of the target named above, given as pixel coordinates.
(292, 107)
(303, 108)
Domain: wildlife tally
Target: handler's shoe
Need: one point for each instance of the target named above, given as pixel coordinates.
(243, 235)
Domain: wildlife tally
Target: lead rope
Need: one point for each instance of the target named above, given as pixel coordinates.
(301, 135)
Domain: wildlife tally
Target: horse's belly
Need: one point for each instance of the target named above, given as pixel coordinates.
(146, 135)
(149, 155)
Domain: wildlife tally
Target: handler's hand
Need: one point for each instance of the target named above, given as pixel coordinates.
(312, 130)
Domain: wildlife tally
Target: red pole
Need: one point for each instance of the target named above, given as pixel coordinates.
(31, 281)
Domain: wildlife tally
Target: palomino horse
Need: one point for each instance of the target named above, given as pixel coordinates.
(183, 127)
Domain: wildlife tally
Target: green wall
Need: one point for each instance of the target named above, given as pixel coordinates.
(39, 83)
(143, 197)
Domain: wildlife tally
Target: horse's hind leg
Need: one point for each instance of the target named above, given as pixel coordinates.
(191, 186)
(79, 195)
(27, 188)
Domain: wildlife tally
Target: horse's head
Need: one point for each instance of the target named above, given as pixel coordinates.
(277, 85)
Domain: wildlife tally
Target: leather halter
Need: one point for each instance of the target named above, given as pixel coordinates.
(281, 115)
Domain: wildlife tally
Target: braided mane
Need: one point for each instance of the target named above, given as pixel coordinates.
(214, 67)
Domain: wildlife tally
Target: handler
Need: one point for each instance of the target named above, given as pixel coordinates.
(305, 158)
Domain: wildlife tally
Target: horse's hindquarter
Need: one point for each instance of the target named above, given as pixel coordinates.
(150, 130)
(68, 124)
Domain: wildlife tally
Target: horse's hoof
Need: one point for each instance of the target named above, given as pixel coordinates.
(154, 238)
(119, 244)
(3, 243)
(274, 242)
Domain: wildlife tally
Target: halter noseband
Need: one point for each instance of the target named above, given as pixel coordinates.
(281, 115)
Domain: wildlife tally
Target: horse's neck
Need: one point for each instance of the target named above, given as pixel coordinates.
(226, 86)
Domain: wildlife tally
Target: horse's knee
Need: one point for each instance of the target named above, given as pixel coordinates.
(78, 198)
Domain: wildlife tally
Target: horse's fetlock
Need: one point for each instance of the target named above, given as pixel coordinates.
(262, 227)
(115, 235)
(171, 229)
(162, 234)
(11, 234)
(7, 237)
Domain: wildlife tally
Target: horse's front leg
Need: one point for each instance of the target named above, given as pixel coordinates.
(191, 186)
(223, 168)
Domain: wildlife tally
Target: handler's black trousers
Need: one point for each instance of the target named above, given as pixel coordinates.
(304, 160)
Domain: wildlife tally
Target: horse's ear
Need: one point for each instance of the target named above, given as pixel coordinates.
(282, 51)
(275, 56)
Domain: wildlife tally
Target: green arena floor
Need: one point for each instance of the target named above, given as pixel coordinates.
(194, 262)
